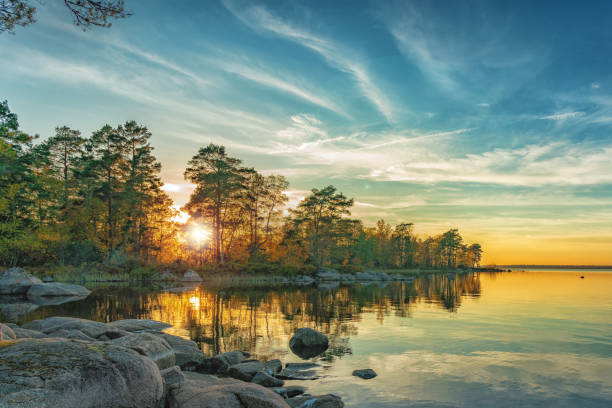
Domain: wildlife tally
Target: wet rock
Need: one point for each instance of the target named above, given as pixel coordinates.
(56, 289)
(147, 344)
(220, 363)
(138, 325)
(307, 343)
(319, 401)
(16, 281)
(46, 373)
(290, 391)
(187, 352)
(206, 391)
(191, 276)
(299, 371)
(267, 380)
(273, 367)
(15, 308)
(245, 371)
(47, 279)
(366, 373)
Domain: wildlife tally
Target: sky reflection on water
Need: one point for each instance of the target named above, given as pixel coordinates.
(510, 339)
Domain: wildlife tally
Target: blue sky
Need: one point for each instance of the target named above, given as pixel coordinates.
(493, 117)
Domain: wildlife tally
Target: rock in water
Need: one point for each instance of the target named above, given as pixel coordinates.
(16, 281)
(49, 373)
(267, 380)
(220, 363)
(319, 401)
(245, 371)
(366, 373)
(56, 289)
(308, 343)
(191, 276)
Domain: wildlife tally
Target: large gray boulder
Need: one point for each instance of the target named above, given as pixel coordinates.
(50, 325)
(25, 333)
(16, 281)
(138, 325)
(207, 391)
(147, 344)
(307, 343)
(191, 276)
(56, 289)
(49, 373)
(187, 352)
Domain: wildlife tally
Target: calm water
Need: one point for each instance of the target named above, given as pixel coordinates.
(509, 340)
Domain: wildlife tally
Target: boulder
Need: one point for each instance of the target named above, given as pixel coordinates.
(6, 333)
(220, 363)
(366, 373)
(206, 391)
(365, 276)
(147, 344)
(46, 373)
(28, 334)
(71, 334)
(47, 279)
(307, 343)
(186, 351)
(245, 371)
(328, 274)
(138, 325)
(56, 289)
(16, 281)
(191, 276)
(320, 401)
(267, 380)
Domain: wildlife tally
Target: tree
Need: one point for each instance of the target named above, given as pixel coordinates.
(64, 150)
(316, 217)
(86, 13)
(219, 181)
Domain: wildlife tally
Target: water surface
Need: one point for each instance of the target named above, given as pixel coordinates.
(508, 339)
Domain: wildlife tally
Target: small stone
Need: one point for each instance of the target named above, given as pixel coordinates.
(267, 380)
(366, 373)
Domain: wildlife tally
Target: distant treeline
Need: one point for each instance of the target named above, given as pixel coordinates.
(73, 200)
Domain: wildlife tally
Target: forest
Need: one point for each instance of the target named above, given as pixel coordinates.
(72, 200)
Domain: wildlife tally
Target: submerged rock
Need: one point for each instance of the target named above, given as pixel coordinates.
(366, 373)
(319, 401)
(16, 281)
(191, 276)
(289, 391)
(56, 289)
(47, 373)
(307, 343)
(299, 371)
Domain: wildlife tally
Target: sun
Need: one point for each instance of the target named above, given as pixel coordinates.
(199, 234)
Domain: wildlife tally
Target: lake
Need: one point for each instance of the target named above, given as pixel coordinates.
(537, 338)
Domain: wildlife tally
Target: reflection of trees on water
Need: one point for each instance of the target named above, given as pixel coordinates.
(263, 319)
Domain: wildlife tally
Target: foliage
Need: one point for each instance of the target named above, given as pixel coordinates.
(97, 204)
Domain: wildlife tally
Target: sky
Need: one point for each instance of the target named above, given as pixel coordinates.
(493, 117)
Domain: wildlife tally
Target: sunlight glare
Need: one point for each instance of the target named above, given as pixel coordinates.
(199, 234)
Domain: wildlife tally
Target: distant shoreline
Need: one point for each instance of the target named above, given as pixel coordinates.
(555, 266)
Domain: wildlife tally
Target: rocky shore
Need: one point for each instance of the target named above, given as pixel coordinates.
(69, 362)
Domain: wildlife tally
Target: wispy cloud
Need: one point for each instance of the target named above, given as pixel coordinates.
(562, 116)
(336, 55)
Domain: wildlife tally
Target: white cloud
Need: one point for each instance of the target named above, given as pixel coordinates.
(336, 56)
(562, 116)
